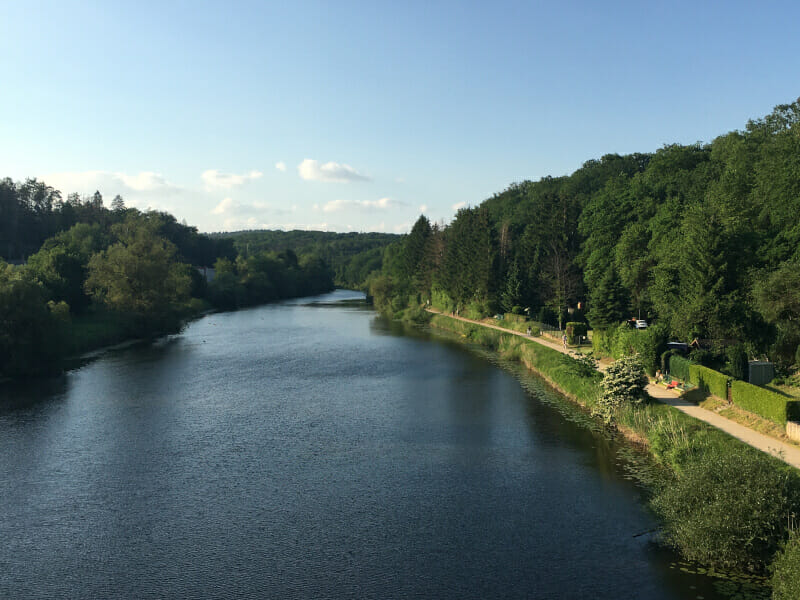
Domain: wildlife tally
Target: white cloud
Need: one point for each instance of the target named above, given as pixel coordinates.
(214, 179)
(458, 205)
(109, 183)
(402, 228)
(312, 170)
(224, 206)
(281, 166)
(423, 208)
(336, 205)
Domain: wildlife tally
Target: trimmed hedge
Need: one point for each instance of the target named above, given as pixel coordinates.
(575, 330)
(764, 402)
(709, 380)
(679, 367)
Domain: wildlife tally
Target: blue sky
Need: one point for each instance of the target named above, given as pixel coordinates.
(359, 115)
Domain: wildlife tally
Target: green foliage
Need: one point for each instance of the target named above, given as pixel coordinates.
(140, 275)
(514, 318)
(679, 367)
(624, 382)
(609, 302)
(701, 357)
(571, 376)
(715, 514)
(786, 570)
(31, 331)
(709, 381)
(575, 331)
(736, 363)
(352, 257)
(602, 340)
(665, 359)
(647, 343)
(765, 403)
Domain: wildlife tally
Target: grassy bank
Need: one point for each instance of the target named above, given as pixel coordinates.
(720, 502)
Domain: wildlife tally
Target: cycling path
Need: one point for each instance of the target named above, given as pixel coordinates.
(786, 452)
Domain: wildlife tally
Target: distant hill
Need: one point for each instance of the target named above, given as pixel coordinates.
(352, 256)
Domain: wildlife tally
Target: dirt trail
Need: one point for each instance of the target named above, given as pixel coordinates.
(787, 453)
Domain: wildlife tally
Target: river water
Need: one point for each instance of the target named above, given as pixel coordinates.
(312, 449)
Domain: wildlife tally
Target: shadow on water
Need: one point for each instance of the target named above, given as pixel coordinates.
(549, 414)
(27, 393)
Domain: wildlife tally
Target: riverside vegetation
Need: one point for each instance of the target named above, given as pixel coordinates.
(96, 276)
(720, 502)
(704, 242)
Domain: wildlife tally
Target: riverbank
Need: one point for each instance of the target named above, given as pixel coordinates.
(788, 453)
(721, 502)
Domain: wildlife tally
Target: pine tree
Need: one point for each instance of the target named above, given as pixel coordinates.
(609, 302)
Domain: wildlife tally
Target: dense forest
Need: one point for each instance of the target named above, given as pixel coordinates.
(702, 240)
(352, 256)
(87, 275)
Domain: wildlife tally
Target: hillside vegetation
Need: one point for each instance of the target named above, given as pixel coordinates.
(702, 239)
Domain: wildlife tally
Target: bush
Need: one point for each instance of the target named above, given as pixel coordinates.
(763, 402)
(701, 357)
(736, 363)
(514, 318)
(601, 342)
(665, 360)
(624, 382)
(714, 515)
(648, 344)
(679, 367)
(574, 331)
(786, 570)
(548, 316)
(709, 380)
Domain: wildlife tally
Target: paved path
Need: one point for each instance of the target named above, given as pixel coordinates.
(786, 452)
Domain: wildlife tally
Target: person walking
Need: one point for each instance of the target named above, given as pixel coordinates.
(564, 339)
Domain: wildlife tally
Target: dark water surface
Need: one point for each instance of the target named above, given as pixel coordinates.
(312, 451)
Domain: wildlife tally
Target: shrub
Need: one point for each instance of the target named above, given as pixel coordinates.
(624, 382)
(714, 515)
(665, 360)
(514, 318)
(786, 570)
(575, 330)
(709, 380)
(736, 363)
(648, 344)
(763, 402)
(679, 367)
(601, 341)
(701, 357)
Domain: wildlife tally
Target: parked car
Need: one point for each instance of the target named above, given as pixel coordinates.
(641, 324)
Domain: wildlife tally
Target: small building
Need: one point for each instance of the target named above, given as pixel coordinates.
(682, 347)
(760, 372)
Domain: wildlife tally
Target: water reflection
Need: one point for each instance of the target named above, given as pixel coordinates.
(312, 450)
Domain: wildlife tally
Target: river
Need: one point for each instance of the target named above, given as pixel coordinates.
(312, 449)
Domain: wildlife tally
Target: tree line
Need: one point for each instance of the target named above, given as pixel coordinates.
(352, 256)
(113, 274)
(704, 239)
